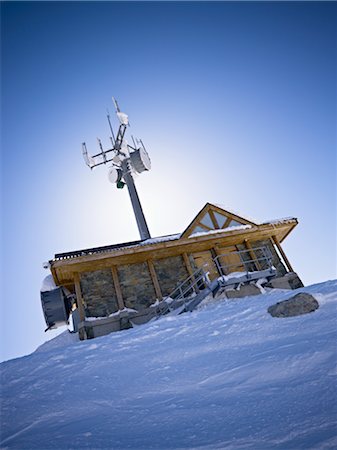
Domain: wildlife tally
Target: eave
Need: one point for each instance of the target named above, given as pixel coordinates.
(63, 270)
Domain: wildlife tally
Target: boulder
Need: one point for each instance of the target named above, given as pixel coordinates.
(289, 281)
(301, 303)
(245, 290)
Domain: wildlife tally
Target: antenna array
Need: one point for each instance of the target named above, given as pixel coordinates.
(123, 160)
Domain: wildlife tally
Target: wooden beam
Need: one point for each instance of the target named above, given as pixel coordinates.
(188, 264)
(227, 222)
(79, 298)
(215, 253)
(99, 261)
(213, 219)
(252, 253)
(54, 273)
(154, 279)
(233, 216)
(119, 295)
(284, 257)
(205, 227)
(189, 269)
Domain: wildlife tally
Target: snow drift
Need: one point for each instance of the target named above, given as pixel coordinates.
(228, 376)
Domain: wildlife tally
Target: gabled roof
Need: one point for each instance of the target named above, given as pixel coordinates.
(212, 217)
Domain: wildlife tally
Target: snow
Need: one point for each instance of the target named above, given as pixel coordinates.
(115, 314)
(221, 230)
(280, 221)
(226, 376)
(48, 284)
(123, 118)
(156, 240)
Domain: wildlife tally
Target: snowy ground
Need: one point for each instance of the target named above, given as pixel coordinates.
(227, 376)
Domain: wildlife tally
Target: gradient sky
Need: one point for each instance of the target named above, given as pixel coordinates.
(235, 102)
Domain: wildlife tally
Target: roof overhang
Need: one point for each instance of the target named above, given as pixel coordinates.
(64, 269)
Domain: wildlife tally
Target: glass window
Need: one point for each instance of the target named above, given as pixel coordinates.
(206, 220)
(220, 219)
(198, 229)
(234, 223)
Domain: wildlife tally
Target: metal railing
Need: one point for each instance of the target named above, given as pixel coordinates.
(247, 265)
(192, 285)
(263, 261)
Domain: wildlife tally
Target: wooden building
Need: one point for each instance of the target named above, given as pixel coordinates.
(135, 275)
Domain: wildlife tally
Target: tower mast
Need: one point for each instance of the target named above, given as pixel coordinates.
(124, 160)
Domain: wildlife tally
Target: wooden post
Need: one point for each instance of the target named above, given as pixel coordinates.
(215, 253)
(213, 219)
(187, 264)
(252, 254)
(154, 279)
(120, 300)
(228, 221)
(79, 297)
(280, 249)
(189, 269)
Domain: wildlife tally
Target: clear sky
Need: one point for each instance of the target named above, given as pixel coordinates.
(235, 102)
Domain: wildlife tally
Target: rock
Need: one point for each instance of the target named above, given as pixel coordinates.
(289, 281)
(301, 303)
(244, 291)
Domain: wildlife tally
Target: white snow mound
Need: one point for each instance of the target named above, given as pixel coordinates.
(227, 376)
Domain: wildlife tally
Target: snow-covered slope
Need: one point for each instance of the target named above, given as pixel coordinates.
(228, 376)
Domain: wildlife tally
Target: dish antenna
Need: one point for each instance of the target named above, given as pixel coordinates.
(123, 159)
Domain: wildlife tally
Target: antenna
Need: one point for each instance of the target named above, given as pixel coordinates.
(122, 164)
(134, 143)
(116, 104)
(86, 157)
(112, 131)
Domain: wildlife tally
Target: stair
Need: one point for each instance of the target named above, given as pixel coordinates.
(194, 289)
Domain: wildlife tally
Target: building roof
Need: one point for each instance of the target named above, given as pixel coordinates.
(211, 220)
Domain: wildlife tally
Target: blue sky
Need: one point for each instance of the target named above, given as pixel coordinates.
(235, 102)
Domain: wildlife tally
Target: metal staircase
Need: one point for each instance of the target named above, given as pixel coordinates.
(192, 291)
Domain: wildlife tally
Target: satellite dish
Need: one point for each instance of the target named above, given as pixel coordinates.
(114, 175)
(56, 307)
(140, 160)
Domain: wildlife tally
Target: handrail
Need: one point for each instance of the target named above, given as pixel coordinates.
(266, 258)
(191, 283)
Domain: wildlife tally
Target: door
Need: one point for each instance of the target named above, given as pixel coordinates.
(204, 260)
(229, 260)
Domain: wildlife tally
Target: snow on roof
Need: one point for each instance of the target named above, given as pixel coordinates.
(221, 230)
(279, 221)
(156, 240)
(115, 247)
(48, 284)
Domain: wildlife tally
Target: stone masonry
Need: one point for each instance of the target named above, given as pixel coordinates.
(98, 293)
(170, 273)
(136, 285)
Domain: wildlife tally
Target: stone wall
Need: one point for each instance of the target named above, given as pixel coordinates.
(136, 285)
(98, 293)
(170, 273)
